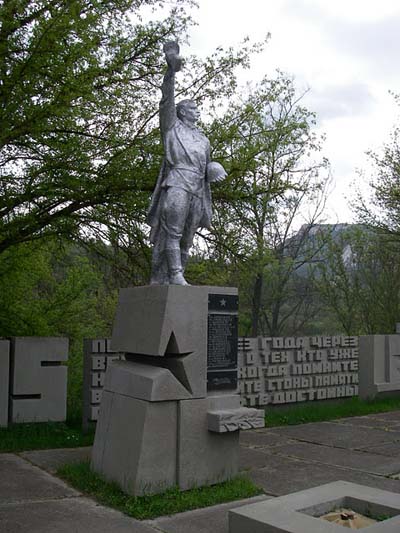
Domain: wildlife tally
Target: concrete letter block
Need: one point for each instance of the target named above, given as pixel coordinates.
(4, 381)
(39, 381)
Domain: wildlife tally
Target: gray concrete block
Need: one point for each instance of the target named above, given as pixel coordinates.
(379, 370)
(204, 457)
(167, 321)
(135, 443)
(4, 381)
(100, 440)
(147, 316)
(39, 382)
(299, 512)
(393, 360)
(144, 382)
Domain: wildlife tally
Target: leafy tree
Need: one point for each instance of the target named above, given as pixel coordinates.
(79, 91)
(381, 209)
(359, 281)
(268, 146)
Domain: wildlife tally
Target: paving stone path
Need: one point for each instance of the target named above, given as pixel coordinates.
(364, 450)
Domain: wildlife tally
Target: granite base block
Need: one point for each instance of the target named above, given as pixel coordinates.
(205, 458)
(135, 444)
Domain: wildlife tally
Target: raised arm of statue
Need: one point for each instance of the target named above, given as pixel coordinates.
(167, 103)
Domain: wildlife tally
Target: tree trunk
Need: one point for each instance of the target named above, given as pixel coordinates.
(256, 304)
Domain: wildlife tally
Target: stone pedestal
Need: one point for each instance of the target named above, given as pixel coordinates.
(170, 413)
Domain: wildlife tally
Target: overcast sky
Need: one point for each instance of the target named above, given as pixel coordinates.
(346, 52)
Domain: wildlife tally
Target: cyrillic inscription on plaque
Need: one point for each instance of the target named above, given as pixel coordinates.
(222, 342)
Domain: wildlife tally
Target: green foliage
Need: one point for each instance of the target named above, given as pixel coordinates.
(267, 144)
(23, 437)
(79, 144)
(145, 507)
(359, 280)
(381, 209)
(53, 290)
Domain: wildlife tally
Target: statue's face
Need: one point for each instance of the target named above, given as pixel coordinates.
(191, 112)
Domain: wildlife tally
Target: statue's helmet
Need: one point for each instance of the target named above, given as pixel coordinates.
(215, 172)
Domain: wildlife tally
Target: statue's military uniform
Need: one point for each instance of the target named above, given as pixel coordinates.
(181, 201)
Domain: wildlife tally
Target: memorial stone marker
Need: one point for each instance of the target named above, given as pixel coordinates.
(280, 370)
(159, 426)
(170, 412)
(33, 381)
(38, 387)
(97, 355)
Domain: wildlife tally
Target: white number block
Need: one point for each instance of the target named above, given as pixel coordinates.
(39, 382)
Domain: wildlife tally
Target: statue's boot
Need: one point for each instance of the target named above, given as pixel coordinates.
(175, 267)
(184, 259)
(159, 269)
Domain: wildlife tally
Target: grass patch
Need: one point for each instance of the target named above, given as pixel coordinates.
(145, 507)
(41, 436)
(321, 411)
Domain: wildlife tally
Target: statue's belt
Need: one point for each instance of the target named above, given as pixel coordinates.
(193, 170)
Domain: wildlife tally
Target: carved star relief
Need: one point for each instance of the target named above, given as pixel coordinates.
(223, 302)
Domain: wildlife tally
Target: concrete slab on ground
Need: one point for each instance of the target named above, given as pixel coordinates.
(73, 515)
(252, 458)
(393, 416)
(263, 438)
(21, 481)
(370, 422)
(355, 460)
(52, 460)
(213, 519)
(391, 449)
(284, 475)
(281, 460)
(338, 435)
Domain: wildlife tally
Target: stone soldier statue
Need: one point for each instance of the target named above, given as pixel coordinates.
(181, 201)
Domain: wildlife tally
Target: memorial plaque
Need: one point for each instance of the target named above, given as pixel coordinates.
(223, 303)
(222, 342)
